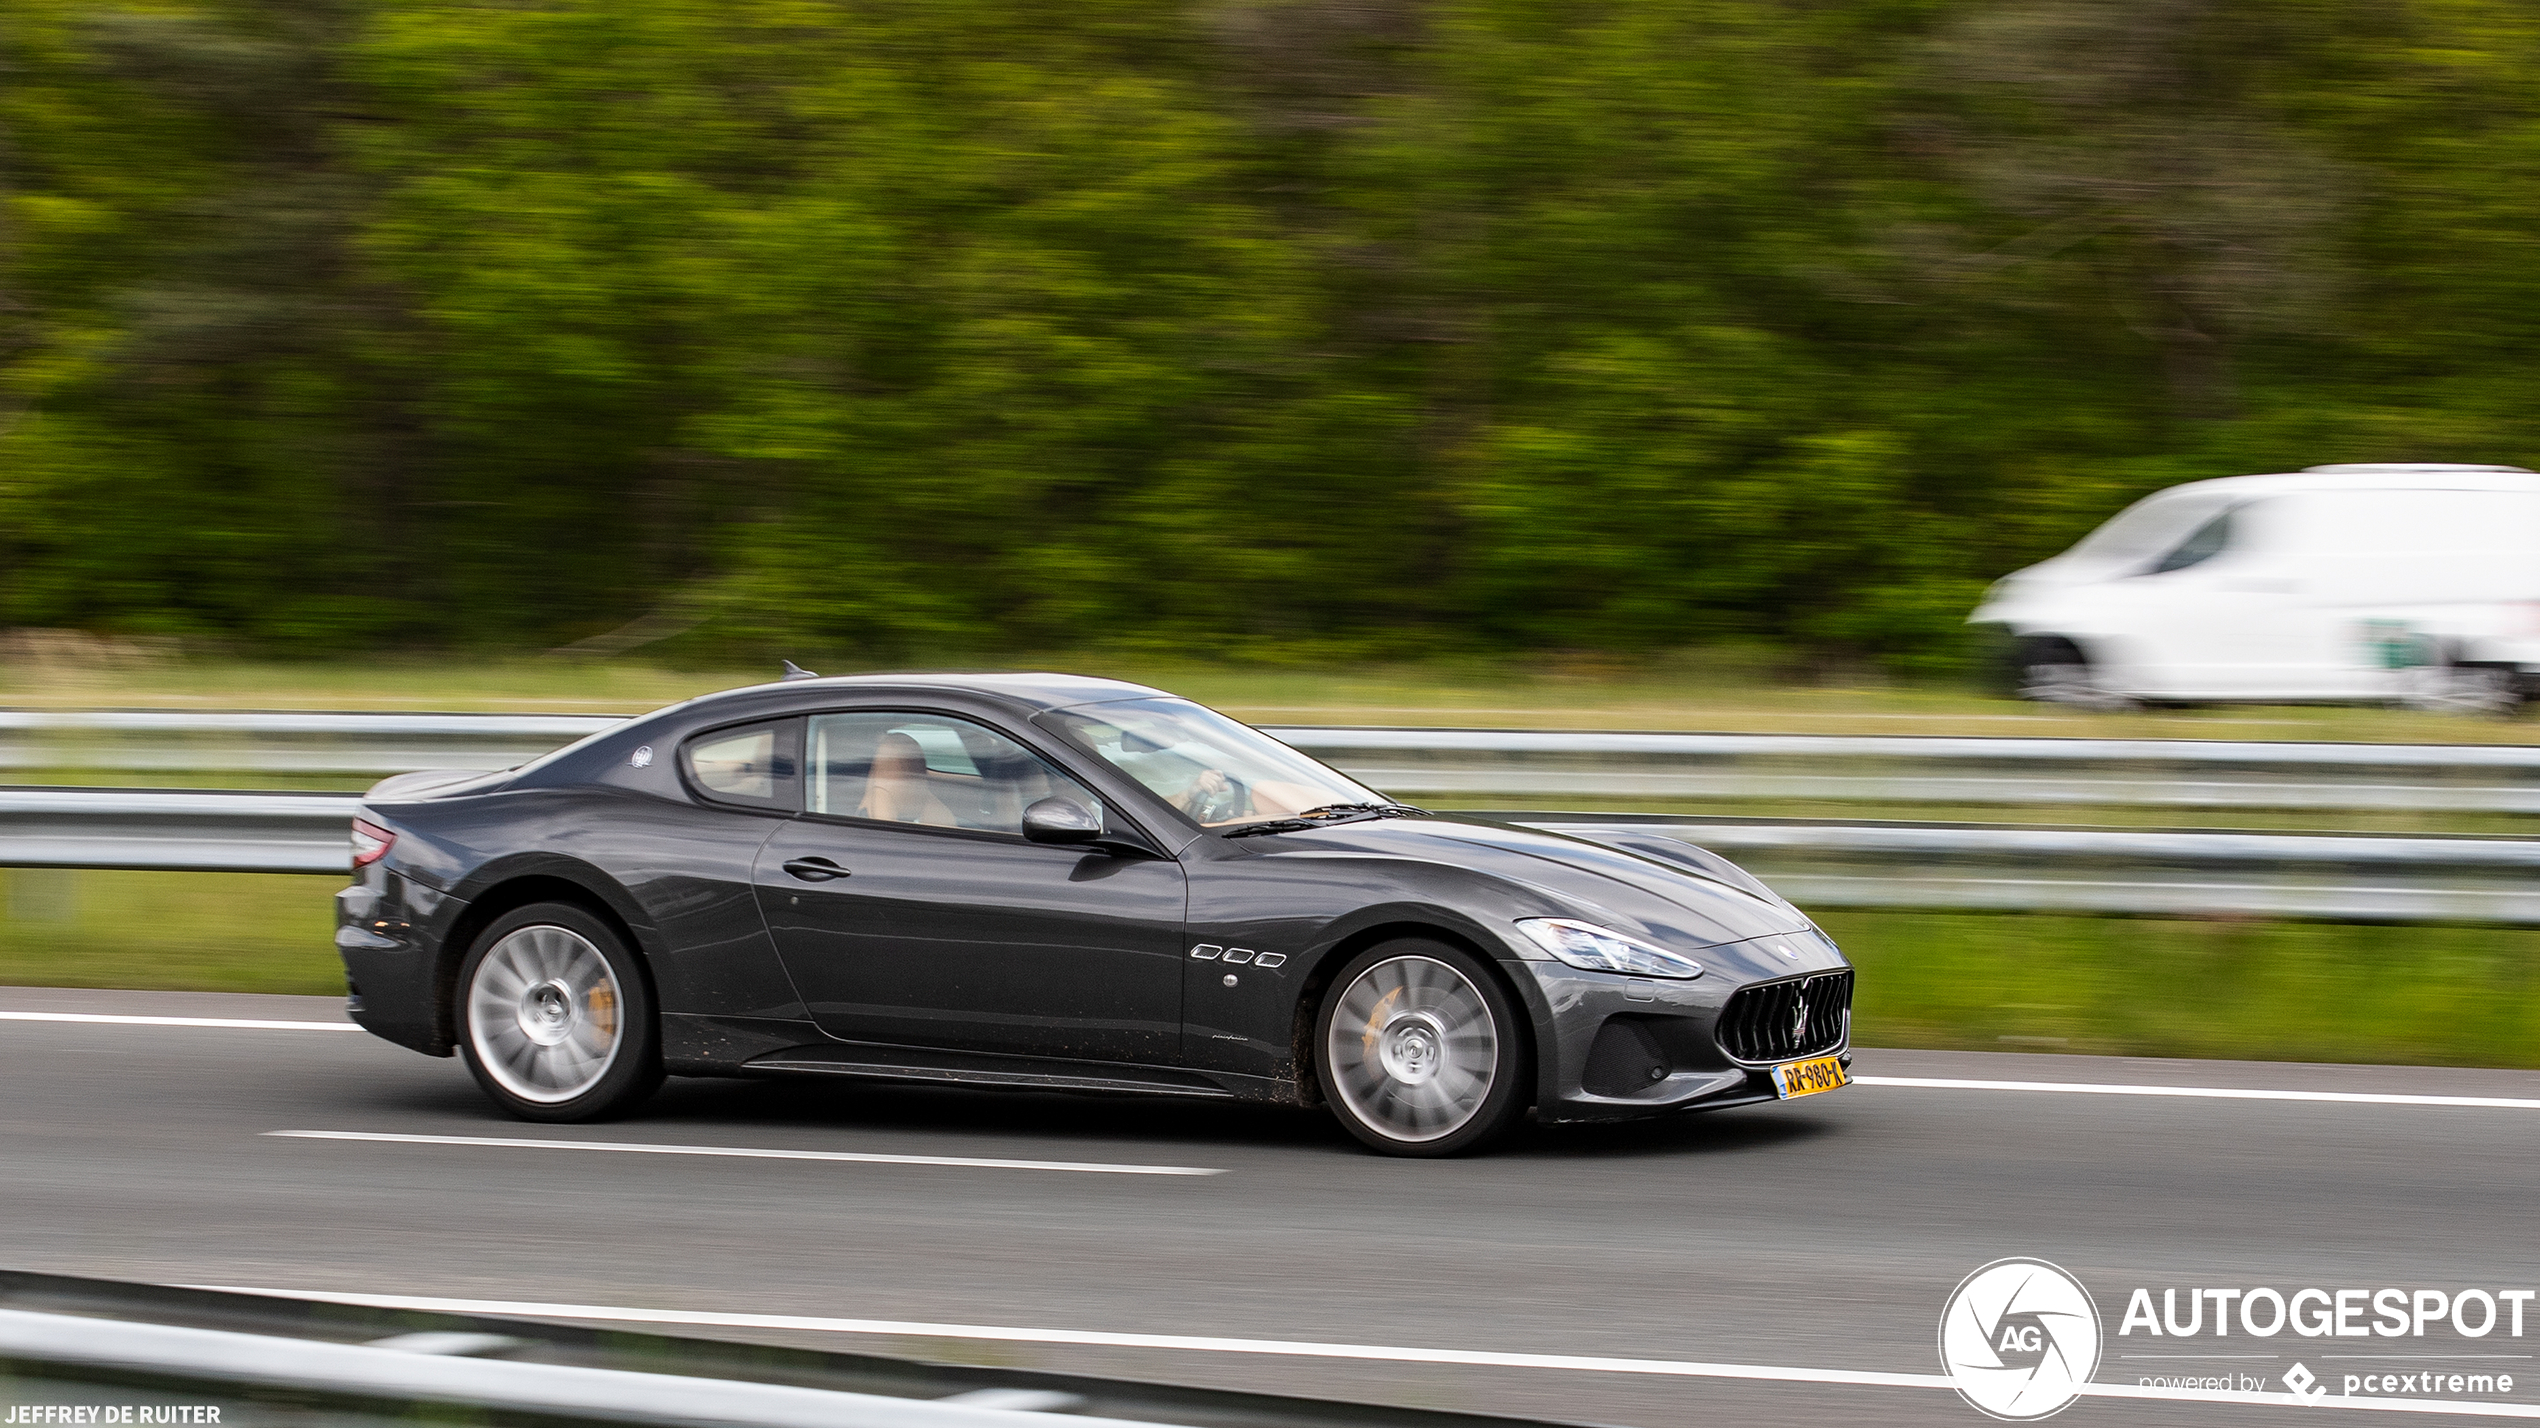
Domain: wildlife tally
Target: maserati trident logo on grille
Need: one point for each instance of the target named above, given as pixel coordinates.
(1799, 1022)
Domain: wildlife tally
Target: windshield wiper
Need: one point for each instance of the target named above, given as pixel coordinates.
(1326, 816)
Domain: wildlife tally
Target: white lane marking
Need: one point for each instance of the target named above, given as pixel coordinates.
(1088, 1167)
(1932, 1083)
(2215, 1093)
(232, 1022)
(1293, 1348)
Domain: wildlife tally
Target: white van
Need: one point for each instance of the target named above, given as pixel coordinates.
(2414, 584)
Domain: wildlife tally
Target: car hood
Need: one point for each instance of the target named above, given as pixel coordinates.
(1688, 901)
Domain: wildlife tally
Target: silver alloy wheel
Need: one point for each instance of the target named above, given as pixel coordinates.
(544, 1014)
(1413, 1049)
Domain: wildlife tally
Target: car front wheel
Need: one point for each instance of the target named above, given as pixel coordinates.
(1420, 1050)
(555, 1021)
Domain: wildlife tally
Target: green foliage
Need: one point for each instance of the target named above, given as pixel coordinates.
(193, 932)
(904, 328)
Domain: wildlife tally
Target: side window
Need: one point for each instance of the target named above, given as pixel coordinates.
(751, 765)
(2203, 544)
(930, 769)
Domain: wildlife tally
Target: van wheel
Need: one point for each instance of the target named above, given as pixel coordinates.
(2053, 670)
(2489, 690)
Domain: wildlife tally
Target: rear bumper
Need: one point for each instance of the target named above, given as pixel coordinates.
(387, 932)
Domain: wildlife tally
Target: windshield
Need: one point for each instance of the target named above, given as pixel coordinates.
(1217, 771)
(2148, 528)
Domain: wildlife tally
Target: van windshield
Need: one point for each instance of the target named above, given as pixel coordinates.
(2148, 529)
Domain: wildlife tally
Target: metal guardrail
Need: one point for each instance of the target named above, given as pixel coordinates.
(1816, 863)
(172, 741)
(176, 830)
(2174, 773)
(2319, 877)
(1427, 763)
(66, 1340)
(401, 1375)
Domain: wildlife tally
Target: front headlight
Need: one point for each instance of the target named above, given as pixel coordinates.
(1596, 949)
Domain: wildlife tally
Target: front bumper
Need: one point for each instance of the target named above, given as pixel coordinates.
(1621, 1048)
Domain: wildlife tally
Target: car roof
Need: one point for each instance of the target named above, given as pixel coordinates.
(1038, 690)
(2393, 476)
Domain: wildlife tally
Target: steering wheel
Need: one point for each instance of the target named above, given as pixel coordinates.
(1214, 797)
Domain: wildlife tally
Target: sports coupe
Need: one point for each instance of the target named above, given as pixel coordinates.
(1060, 883)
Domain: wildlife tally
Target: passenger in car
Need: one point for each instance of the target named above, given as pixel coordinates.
(897, 789)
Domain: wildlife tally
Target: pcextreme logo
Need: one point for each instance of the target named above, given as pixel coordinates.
(2019, 1338)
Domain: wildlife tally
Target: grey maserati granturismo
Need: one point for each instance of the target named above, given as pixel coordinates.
(1060, 883)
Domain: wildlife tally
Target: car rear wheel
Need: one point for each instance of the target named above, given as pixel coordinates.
(554, 1018)
(1420, 1050)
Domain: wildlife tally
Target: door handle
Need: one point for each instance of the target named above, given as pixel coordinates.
(814, 870)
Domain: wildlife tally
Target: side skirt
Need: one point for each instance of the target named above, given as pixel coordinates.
(871, 1062)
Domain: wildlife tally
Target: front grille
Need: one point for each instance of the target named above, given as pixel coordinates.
(1763, 1024)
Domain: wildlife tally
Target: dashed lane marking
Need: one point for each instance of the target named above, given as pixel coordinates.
(1086, 1167)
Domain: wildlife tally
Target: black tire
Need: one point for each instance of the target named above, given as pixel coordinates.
(1440, 1065)
(2453, 686)
(554, 1018)
(2050, 669)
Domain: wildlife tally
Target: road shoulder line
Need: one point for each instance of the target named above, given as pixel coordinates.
(233, 1023)
(2215, 1093)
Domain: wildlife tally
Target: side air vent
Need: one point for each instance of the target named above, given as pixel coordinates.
(1624, 1059)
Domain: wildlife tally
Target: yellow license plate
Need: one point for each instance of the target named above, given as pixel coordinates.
(1807, 1078)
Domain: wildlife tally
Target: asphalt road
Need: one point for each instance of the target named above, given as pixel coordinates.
(1818, 1235)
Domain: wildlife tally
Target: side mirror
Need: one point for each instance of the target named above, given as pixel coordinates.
(1060, 820)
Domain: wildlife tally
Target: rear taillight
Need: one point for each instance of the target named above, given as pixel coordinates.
(370, 842)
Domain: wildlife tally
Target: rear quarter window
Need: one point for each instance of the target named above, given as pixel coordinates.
(754, 765)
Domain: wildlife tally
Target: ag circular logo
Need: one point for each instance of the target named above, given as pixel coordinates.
(2019, 1339)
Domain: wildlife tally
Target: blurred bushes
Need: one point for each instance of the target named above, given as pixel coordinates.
(921, 327)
